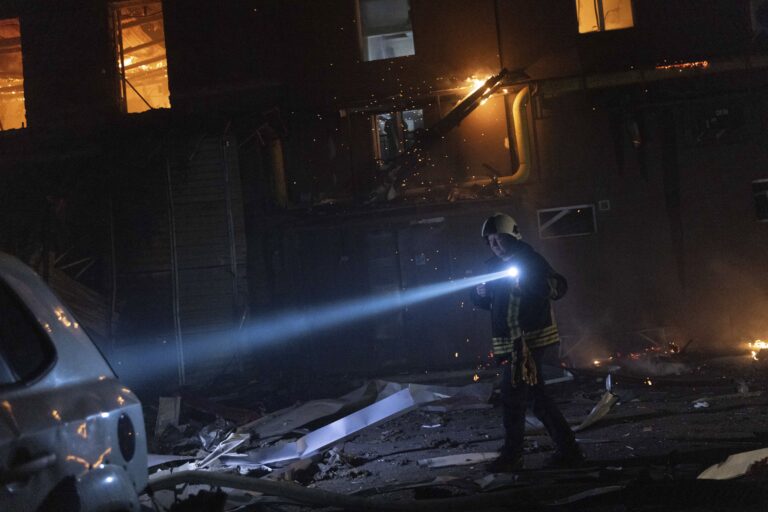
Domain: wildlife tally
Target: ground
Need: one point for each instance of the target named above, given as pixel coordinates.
(651, 446)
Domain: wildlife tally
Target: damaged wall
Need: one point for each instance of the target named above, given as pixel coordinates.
(676, 247)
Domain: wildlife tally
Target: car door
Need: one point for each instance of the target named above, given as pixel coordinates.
(28, 458)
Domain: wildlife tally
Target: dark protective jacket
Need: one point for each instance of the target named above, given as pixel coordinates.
(520, 307)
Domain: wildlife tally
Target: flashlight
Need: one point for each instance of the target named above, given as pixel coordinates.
(513, 272)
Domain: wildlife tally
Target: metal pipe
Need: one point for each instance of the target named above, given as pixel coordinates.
(174, 274)
(522, 145)
(230, 221)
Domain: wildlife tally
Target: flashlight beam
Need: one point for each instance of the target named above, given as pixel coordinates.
(265, 331)
(294, 324)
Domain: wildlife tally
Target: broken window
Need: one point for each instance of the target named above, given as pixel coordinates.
(141, 60)
(12, 113)
(602, 15)
(567, 221)
(385, 27)
(395, 132)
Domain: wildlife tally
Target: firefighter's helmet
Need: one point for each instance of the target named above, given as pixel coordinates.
(500, 223)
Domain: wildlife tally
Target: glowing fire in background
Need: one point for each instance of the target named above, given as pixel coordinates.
(600, 362)
(756, 347)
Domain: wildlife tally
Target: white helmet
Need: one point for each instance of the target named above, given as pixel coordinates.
(500, 223)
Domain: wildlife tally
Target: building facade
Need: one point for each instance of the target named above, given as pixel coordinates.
(195, 166)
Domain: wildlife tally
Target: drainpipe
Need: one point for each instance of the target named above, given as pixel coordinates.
(522, 138)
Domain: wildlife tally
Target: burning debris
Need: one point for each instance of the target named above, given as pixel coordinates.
(653, 361)
(756, 347)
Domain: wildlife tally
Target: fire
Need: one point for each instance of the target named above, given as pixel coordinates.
(699, 64)
(476, 83)
(598, 362)
(648, 381)
(476, 378)
(755, 347)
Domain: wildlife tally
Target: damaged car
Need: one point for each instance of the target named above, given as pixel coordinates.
(71, 436)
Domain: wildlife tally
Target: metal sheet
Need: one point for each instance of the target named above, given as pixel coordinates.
(306, 446)
(395, 399)
(734, 466)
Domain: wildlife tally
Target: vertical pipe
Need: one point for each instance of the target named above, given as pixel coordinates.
(600, 14)
(278, 172)
(231, 235)
(174, 274)
(113, 268)
(507, 111)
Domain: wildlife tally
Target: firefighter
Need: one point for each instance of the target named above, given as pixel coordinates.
(523, 328)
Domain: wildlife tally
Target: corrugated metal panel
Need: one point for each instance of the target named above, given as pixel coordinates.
(89, 307)
(210, 253)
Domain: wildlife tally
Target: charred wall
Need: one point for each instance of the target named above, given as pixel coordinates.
(68, 61)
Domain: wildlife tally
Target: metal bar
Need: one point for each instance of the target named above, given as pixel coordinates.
(144, 62)
(230, 224)
(600, 15)
(135, 22)
(11, 41)
(86, 267)
(143, 46)
(137, 94)
(121, 62)
(174, 273)
(74, 263)
(113, 268)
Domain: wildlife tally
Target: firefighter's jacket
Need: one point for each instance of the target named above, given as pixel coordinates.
(520, 307)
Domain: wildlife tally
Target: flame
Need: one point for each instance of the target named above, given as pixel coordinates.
(755, 348)
(476, 83)
(475, 377)
(56, 415)
(600, 361)
(648, 381)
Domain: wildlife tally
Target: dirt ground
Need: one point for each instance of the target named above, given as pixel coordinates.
(644, 455)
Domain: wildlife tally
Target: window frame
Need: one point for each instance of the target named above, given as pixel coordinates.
(363, 38)
(24, 123)
(51, 355)
(600, 18)
(123, 85)
(556, 218)
(400, 133)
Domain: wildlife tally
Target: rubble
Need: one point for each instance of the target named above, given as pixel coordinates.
(420, 446)
(735, 465)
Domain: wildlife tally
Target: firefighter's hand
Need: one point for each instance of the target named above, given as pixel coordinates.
(481, 290)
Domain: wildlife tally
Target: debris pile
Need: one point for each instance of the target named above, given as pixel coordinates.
(394, 446)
